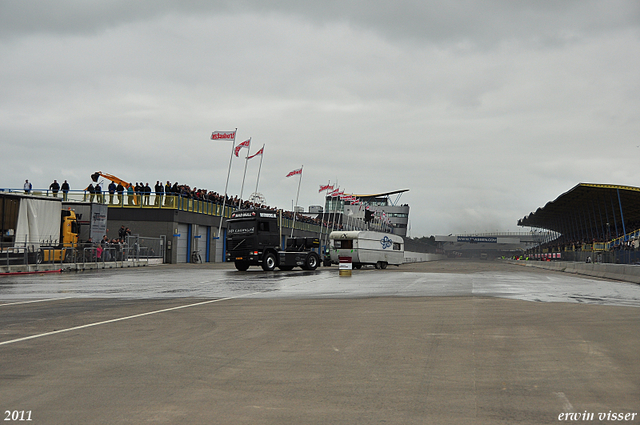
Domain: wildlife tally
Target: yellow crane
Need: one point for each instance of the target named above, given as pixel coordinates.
(111, 177)
(95, 176)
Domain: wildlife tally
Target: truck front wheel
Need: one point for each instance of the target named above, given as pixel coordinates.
(269, 262)
(241, 265)
(311, 262)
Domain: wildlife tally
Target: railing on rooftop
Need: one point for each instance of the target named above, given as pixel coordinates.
(160, 201)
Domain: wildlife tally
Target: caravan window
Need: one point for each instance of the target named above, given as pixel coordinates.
(397, 246)
(343, 244)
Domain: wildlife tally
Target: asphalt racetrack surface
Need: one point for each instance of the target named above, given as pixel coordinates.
(447, 342)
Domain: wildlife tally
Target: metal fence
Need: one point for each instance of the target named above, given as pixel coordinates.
(136, 249)
(13, 256)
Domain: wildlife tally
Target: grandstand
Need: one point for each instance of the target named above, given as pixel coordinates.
(590, 222)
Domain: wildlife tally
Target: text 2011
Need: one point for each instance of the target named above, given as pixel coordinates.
(17, 415)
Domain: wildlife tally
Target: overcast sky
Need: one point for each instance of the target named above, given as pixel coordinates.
(484, 110)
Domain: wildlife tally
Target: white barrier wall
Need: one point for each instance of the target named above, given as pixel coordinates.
(419, 257)
(624, 272)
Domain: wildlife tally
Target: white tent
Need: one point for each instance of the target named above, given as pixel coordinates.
(38, 222)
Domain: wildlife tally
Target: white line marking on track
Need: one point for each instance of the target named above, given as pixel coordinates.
(36, 301)
(119, 319)
(566, 405)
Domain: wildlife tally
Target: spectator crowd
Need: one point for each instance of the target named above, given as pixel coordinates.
(167, 195)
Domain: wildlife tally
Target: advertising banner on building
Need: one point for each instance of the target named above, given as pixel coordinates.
(478, 239)
(98, 221)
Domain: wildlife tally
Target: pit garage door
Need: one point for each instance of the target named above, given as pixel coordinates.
(182, 243)
(200, 241)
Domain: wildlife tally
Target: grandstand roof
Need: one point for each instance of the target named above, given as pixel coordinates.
(379, 195)
(588, 208)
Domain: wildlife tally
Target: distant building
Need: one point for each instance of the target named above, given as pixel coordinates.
(388, 213)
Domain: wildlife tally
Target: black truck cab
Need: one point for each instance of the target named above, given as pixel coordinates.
(253, 238)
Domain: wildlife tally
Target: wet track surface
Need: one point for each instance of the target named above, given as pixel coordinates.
(221, 281)
(452, 342)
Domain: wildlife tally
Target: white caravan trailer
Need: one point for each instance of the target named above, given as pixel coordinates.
(374, 248)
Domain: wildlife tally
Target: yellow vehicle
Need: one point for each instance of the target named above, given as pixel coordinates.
(37, 228)
(68, 245)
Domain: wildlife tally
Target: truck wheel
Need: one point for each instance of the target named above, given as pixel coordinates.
(241, 266)
(269, 262)
(311, 262)
(357, 266)
(69, 256)
(383, 265)
(377, 265)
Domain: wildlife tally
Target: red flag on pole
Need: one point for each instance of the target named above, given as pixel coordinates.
(223, 135)
(244, 144)
(294, 172)
(260, 152)
(325, 187)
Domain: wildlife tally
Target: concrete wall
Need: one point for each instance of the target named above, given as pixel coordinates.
(624, 272)
(419, 257)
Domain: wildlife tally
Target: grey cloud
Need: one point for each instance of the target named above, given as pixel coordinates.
(479, 22)
(18, 17)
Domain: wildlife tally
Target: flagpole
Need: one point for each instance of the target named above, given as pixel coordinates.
(326, 241)
(226, 185)
(246, 161)
(259, 168)
(332, 216)
(334, 211)
(345, 216)
(294, 206)
(322, 219)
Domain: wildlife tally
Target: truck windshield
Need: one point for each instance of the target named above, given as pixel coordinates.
(242, 228)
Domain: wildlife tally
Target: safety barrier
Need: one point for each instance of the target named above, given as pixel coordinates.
(624, 272)
(138, 250)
